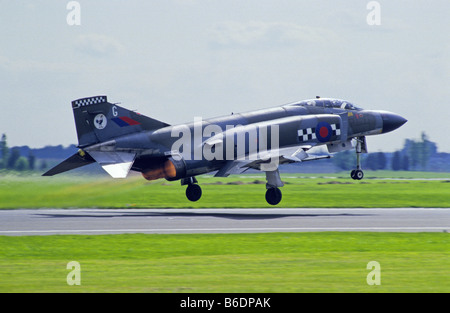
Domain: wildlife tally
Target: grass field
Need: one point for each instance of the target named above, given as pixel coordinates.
(277, 262)
(246, 191)
(274, 262)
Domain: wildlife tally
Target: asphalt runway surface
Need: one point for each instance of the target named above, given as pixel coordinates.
(179, 221)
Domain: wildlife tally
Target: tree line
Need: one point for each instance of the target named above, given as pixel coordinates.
(12, 160)
(414, 156)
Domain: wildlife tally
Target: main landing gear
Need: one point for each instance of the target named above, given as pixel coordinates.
(358, 174)
(273, 193)
(193, 191)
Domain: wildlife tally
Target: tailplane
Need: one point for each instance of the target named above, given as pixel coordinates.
(77, 160)
(97, 121)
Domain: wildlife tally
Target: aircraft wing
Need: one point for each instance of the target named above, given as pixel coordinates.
(232, 167)
(268, 161)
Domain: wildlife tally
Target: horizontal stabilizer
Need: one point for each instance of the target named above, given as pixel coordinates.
(75, 161)
(116, 164)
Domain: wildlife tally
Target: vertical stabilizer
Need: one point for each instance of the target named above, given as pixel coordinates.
(97, 120)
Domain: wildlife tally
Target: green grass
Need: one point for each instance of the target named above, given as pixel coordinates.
(406, 189)
(280, 262)
(277, 262)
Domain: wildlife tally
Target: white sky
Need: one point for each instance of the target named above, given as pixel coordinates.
(179, 59)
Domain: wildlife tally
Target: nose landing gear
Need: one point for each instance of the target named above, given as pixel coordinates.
(361, 147)
(357, 174)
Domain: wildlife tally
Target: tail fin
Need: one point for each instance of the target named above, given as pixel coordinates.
(97, 120)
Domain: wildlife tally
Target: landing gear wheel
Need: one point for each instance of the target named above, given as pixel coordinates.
(193, 192)
(360, 146)
(273, 196)
(357, 174)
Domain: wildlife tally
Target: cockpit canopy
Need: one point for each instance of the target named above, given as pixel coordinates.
(328, 103)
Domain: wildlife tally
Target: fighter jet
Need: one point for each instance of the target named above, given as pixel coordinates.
(121, 140)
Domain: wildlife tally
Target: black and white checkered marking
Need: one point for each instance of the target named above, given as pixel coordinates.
(312, 133)
(336, 129)
(307, 134)
(88, 101)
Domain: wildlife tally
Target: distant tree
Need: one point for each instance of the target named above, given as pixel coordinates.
(21, 164)
(396, 161)
(31, 161)
(345, 160)
(405, 163)
(412, 151)
(376, 161)
(370, 162)
(43, 165)
(4, 151)
(381, 160)
(427, 148)
(419, 152)
(14, 156)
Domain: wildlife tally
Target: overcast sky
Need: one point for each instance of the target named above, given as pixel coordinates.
(179, 59)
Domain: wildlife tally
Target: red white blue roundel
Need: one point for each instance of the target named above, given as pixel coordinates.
(324, 132)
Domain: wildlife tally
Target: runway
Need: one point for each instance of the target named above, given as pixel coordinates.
(178, 221)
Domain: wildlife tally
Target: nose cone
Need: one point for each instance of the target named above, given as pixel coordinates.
(391, 121)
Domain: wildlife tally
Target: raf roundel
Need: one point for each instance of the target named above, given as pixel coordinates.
(323, 132)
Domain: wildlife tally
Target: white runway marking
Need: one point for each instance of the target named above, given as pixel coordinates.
(226, 230)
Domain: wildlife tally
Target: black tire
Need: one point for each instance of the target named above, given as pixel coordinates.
(193, 192)
(359, 174)
(352, 174)
(273, 196)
